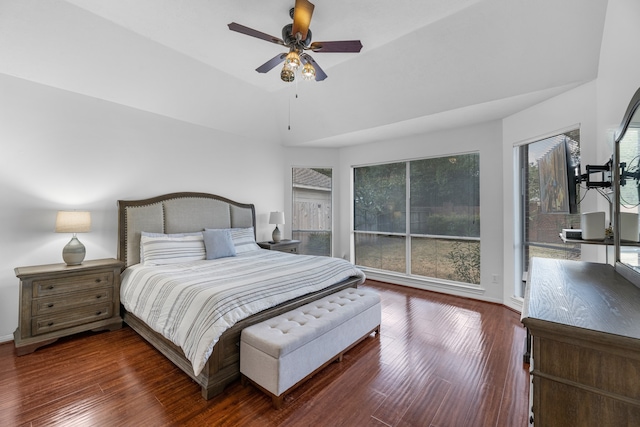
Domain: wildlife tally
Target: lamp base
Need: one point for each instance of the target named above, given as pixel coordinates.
(74, 252)
(276, 236)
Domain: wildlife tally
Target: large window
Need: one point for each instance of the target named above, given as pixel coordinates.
(541, 220)
(440, 238)
(311, 223)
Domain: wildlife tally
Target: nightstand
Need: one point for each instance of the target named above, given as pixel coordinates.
(57, 300)
(290, 246)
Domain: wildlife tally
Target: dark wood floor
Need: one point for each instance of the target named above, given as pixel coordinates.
(439, 361)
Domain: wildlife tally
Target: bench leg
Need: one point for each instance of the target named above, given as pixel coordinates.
(277, 401)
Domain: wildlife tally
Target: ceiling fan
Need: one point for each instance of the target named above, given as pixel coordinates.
(297, 37)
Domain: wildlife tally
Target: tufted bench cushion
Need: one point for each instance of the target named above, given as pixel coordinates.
(283, 351)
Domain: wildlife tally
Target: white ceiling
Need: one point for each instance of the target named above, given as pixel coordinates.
(425, 64)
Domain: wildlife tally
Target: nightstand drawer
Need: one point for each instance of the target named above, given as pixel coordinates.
(79, 316)
(293, 249)
(58, 303)
(71, 283)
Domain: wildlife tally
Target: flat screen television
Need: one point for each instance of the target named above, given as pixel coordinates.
(558, 180)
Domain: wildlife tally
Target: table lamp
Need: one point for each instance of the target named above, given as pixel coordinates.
(276, 218)
(73, 222)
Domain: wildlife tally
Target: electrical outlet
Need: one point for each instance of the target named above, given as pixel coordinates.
(494, 279)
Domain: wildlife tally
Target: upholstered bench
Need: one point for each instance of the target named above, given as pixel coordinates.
(282, 352)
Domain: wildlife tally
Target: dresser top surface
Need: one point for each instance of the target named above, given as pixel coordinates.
(584, 295)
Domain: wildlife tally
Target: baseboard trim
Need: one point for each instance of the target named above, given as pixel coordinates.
(461, 290)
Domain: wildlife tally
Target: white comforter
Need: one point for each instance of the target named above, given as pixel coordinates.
(193, 303)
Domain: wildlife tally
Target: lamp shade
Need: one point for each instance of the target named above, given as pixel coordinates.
(276, 218)
(73, 222)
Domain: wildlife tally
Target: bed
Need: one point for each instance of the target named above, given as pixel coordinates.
(188, 212)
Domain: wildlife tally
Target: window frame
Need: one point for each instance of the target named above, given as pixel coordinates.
(294, 229)
(408, 235)
(522, 244)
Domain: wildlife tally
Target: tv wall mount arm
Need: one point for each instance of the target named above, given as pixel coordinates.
(606, 178)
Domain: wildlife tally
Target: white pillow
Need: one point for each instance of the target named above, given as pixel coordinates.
(171, 249)
(244, 240)
(149, 234)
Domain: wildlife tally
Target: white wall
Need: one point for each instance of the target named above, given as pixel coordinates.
(60, 150)
(619, 69)
(484, 138)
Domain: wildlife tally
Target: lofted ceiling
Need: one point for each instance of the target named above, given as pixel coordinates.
(425, 64)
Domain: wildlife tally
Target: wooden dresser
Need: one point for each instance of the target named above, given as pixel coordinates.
(584, 320)
(57, 300)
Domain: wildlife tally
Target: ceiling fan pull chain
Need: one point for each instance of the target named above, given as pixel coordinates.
(296, 94)
(289, 125)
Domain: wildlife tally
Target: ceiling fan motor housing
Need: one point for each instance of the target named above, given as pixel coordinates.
(292, 41)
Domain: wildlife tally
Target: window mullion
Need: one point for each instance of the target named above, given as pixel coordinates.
(407, 227)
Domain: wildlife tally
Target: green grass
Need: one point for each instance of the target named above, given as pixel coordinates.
(429, 257)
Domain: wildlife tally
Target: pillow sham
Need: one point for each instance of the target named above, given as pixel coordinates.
(244, 240)
(218, 244)
(171, 249)
(149, 234)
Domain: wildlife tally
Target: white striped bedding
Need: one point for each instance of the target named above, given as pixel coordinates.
(193, 303)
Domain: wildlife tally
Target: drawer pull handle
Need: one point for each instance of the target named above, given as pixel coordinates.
(50, 324)
(98, 313)
(98, 296)
(49, 305)
(98, 280)
(50, 287)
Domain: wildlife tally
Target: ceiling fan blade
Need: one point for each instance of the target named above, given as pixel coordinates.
(302, 12)
(320, 74)
(344, 46)
(255, 33)
(270, 64)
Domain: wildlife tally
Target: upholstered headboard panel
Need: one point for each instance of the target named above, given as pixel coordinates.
(176, 213)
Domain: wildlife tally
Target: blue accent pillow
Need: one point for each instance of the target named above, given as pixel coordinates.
(218, 244)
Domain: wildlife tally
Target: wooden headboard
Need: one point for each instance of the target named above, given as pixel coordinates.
(176, 213)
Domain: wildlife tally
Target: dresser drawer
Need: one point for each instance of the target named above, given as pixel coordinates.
(71, 283)
(79, 316)
(58, 303)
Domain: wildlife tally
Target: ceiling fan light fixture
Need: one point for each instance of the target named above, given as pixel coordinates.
(287, 75)
(292, 61)
(308, 72)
